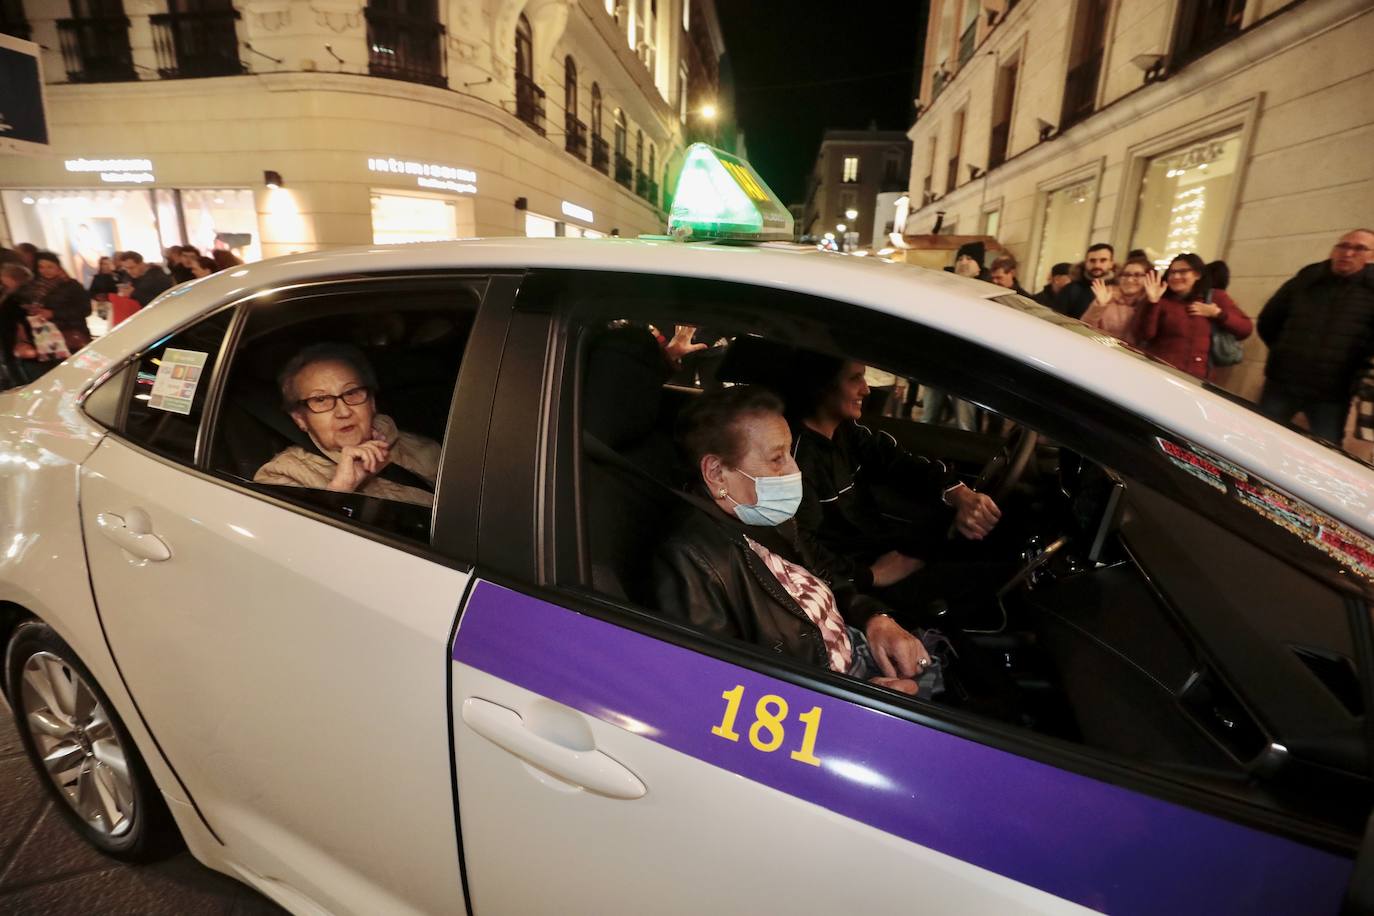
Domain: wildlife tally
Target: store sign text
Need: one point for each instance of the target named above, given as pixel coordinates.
(428, 175)
(576, 212)
(116, 171)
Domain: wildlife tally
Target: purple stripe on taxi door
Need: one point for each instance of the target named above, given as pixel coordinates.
(1087, 841)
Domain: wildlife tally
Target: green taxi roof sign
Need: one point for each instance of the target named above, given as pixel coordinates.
(721, 196)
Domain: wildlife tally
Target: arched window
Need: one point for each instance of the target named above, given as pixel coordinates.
(529, 98)
(621, 134)
(570, 86)
(596, 109)
(652, 169)
(524, 49)
(639, 150)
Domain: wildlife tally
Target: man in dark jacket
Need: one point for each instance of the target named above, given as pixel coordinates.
(1077, 296)
(1060, 275)
(968, 261)
(1319, 328)
(1003, 273)
(149, 280)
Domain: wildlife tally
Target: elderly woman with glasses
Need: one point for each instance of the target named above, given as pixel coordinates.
(329, 391)
(1177, 324)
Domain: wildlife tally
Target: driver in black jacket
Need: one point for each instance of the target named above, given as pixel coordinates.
(843, 519)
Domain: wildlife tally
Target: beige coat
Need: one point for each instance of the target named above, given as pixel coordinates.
(296, 467)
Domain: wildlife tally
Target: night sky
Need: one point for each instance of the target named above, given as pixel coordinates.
(805, 66)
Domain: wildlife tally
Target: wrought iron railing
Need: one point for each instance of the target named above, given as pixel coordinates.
(529, 102)
(575, 136)
(652, 196)
(403, 47)
(190, 44)
(601, 155)
(96, 49)
(997, 151)
(624, 170)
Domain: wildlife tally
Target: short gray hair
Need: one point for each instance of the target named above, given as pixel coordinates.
(328, 352)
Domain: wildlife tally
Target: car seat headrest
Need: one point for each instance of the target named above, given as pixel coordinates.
(623, 387)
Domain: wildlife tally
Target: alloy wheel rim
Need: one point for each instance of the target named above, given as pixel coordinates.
(77, 744)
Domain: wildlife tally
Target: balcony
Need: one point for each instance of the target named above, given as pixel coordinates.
(1203, 27)
(952, 181)
(641, 184)
(575, 136)
(404, 47)
(191, 44)
(529, 103)
(966, 42)
(96, 50)
(624, 170)
(652, 196)
(997, 152)
(601, 155)
(1080, 91)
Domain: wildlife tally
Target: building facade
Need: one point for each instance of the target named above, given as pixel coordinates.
(276, 126)
(852, 168)
(1239, 130)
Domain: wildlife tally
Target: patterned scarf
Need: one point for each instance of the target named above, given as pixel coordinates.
(817, 600)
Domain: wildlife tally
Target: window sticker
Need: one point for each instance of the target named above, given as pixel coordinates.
(178, 375)
(1347, 547)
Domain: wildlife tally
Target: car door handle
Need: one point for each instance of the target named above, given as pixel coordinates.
(590, 769)
(133, 531)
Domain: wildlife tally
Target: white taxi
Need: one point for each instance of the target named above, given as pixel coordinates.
(361, 700)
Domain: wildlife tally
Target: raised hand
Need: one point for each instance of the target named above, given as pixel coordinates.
(1102, 291)
(358, 463)
(1154, 286)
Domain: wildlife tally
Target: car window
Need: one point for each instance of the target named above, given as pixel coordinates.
(1122, 604)
(370, 371)
(168, 394)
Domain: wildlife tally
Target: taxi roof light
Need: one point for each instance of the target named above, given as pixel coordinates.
(721, 196)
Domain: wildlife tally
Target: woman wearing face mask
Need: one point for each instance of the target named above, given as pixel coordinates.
(1177, 325)
(1117, 309)
(735, 567)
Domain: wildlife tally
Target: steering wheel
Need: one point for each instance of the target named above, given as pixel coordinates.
(1005, 469)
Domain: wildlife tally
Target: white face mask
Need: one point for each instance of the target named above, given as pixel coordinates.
(777, 499)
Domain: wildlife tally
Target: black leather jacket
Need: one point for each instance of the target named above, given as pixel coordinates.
(705, 575)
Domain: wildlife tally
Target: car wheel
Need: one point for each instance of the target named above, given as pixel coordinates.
(82, 751)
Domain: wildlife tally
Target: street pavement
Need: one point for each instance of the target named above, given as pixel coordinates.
(46, 868)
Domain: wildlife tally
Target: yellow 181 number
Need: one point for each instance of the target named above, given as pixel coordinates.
(766, 732)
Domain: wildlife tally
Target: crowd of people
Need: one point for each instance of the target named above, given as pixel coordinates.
(45, 312)
(1319, 326)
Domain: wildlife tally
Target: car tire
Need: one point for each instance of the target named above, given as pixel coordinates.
(93, 769)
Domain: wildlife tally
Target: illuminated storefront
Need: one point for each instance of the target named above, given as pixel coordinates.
(1185, 198)
(438, 209)
(1066, 223)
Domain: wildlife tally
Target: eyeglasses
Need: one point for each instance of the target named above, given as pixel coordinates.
(1353, 249)
(1136, 274)
(324, 403)
(1180, 271)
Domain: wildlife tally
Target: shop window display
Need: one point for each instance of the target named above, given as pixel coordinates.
(1185, 197)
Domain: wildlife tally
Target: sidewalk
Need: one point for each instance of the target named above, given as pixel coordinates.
(46, 868)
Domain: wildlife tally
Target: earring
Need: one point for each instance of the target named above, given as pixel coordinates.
(722, 492)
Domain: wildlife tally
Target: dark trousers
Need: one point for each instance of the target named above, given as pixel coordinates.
(1326, 418)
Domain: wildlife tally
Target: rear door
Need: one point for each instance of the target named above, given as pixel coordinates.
(288, 658)
(609, 761)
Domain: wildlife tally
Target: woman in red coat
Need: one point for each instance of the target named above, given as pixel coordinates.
(1176, 326)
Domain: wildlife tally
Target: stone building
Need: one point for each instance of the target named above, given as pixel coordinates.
(1240, 130)
(272, 126)
(852, 168)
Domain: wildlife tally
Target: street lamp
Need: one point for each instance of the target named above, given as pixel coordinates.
(840, 228)
(851, 214)
(708, 111)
